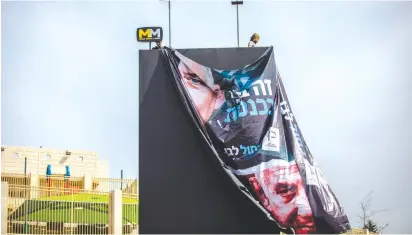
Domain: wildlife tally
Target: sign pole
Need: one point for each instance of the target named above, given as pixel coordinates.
(121, 179)
(150, 45)
(237, 21)
(237, 3)
(26, 205)
(170, 28)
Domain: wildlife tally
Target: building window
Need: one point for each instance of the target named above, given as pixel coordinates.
(80, 158)
(15, 155)
(46, 157)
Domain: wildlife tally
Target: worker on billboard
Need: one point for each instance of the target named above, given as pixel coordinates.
(253, 40)
(158, 45)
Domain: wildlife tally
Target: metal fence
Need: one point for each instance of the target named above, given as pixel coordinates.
(65, 211)
(109, 184)
(56, 211)
(128, 186)
(75, 183)
(130, 211)
(61, 205)
(16, 179)
(359, 231)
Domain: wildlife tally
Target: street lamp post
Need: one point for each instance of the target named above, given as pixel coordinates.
(170, 28)
(237, 3)
(170, 24)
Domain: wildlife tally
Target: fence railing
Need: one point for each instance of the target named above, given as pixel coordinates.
(130, 211)
(359, 231)
(129, 186)
(109, 184)
(61, 182)
(16, 179)
(41, 210)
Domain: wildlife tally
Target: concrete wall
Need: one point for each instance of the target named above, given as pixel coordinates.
(80, 162)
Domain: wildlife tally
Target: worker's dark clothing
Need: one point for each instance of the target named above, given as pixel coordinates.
(157, 48)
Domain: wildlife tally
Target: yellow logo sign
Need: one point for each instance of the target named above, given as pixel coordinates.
(149, 34)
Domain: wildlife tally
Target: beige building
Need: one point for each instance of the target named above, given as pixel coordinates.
(80, 162)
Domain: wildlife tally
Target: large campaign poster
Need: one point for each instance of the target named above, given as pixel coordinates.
(246, 117)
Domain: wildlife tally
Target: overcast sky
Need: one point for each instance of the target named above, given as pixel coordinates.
(70, 80)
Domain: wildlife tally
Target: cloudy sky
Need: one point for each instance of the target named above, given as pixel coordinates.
(70, 80)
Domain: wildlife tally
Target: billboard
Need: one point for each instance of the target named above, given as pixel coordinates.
(246, 118)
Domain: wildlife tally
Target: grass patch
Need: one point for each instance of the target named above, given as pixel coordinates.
(82, 208)
(80, 215)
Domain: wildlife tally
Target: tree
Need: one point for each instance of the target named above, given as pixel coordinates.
(371, 226)
(366, 217)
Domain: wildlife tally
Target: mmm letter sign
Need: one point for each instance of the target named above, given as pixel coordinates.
(149, 34)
